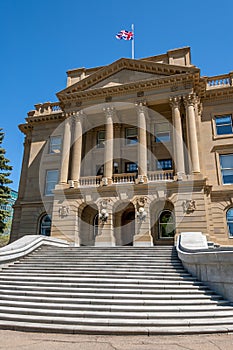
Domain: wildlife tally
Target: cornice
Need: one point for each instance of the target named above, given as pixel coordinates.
(45, 118)
(143, 85)
(218, 94)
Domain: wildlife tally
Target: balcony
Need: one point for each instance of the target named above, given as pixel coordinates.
(127, 178)
(219, 81)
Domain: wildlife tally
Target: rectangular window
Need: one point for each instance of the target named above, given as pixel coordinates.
(223, 125)
(164, 164)
(50, 181)
(131, 135)
(55, 144)
(162, 132)
(226, 163)
(131, 167)
(100, 139)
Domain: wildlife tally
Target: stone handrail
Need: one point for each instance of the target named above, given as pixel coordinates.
(124, 178)
(90, 181)
(45, 109)
(219, 81)
(212, 266)
(162, 175)
(26, 245)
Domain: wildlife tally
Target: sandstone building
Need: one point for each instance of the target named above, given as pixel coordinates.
(133, 153)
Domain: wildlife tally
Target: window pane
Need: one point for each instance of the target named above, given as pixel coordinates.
(131, 167)
(100, 139)
(223, 120)
(230, 215)
(55, 144)
(51, 181)
(166, 224)
(164, 164)
(224, 125)
(162, 137)
(226, 161)
(224, 129)
(227, 176)
(230, 221)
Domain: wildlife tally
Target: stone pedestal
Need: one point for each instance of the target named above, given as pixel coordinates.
(105, 236)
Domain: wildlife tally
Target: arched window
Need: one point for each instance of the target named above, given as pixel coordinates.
(230, 221)
(45, 225)
(166, 224)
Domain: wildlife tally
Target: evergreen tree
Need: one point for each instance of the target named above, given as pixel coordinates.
(4, 181)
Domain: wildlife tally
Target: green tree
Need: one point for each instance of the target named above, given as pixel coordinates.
(5, 169)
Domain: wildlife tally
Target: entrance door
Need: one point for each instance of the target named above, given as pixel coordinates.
(127, 227)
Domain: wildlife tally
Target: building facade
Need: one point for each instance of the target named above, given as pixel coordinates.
(134, 153)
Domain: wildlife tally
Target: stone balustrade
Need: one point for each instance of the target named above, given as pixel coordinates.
(45, 109)
(124, 178)
(219, 81)
(164, 175)
(90, 181)
(153, 176)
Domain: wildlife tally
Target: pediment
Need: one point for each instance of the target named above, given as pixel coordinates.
(123, 77)
(125, 71)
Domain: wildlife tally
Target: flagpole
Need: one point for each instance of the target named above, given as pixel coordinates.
(132, 27)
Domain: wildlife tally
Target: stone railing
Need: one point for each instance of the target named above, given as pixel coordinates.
(124, 178)
(26, 245)
(90, 181)
(45, 109)
(219, 81)
(213, 266)
(164, 175)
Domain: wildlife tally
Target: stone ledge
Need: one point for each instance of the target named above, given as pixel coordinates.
(26, 245)
(213, 266)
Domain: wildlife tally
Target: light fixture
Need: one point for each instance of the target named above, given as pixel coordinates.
(141, 214)
(103, 215)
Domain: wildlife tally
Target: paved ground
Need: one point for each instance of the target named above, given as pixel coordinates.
(43, 341)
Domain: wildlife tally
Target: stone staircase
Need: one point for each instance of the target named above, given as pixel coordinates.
(120, 290)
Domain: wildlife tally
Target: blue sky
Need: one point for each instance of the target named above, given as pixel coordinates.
(41, 40)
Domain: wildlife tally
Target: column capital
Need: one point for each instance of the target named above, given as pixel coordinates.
(140, 106)
(175, 101)
(109, 111)
(190, 100)
(77, 116)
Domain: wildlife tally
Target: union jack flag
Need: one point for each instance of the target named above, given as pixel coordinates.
(125, 35)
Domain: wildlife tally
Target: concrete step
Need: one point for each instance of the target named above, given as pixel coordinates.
(115, 294)
(118, 290)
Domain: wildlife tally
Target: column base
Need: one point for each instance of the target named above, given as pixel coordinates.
(141, 179)
(106, 181)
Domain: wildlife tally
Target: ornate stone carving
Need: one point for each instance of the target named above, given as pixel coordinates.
(175, 101)
(190, 100)
(189, 206)
(109, 111)
(64, 211)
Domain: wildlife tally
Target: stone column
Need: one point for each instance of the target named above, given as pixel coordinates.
(189, 102)
(65, 152)
(142, 143)
(77, 148)
(178, 141)
(108, 148)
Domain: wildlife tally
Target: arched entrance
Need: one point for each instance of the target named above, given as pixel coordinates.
(88, 225)
(124, 224)
(45, 225)
(162, 223)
